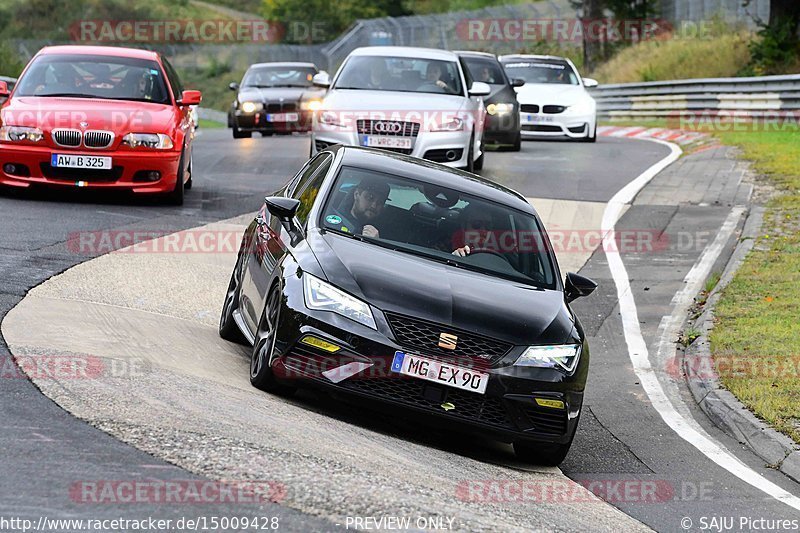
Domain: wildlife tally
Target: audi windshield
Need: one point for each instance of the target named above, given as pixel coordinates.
(404, 74)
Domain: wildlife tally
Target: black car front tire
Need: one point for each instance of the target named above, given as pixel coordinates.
(239, 134)
(176, 196)
(228, 329)
(261, 375)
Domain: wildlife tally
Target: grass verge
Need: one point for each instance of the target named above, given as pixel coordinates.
(758, 315)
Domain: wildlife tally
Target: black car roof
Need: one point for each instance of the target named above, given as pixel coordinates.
(428, 171)
(469, 53)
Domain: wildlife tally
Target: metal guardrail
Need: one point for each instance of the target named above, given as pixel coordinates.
(755, 96)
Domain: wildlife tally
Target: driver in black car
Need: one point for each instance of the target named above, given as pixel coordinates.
(475, 224)
(361, 218)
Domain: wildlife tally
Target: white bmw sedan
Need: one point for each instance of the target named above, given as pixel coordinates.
(553, 101)
(414, 101)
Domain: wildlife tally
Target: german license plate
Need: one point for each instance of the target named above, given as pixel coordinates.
(439, 372)
(283, 117)
(536, 119)
(80, 161)
(378, 141)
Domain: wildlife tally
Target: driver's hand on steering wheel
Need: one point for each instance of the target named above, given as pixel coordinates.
(462, 252)
(440, 83)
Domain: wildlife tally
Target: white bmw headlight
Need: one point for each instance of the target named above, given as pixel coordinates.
(582, 107)
(558, 356)
(323, 296)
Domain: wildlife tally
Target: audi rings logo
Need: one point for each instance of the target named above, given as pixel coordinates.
(388, 127)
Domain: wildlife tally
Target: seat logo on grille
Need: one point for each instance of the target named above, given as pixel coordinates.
(447, 341)
(388, 127)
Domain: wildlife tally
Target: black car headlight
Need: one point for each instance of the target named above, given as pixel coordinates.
(323, 296)
(563, 356)
(499, 109)
(252, 107)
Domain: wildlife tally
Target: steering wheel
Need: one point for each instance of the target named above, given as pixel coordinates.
(473, 251)
(427, 87)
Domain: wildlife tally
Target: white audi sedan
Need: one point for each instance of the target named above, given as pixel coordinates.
(553, 101)
(414, 101)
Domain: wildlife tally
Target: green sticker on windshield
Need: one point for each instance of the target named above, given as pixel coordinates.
(333, 219)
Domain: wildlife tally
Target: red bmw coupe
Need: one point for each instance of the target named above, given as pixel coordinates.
(101, 118)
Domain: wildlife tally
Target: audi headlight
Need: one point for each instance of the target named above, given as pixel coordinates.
(455, 124)
(251, 107)
(311, 105)
(499, 109)
(564, 356)
(331, 119)
(20, 133)
(158, 141)
(323, 296)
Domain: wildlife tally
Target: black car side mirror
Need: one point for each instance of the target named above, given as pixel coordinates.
(285, 209)
(233, 86)
(517, 82)
(281, 207)
(576, 286)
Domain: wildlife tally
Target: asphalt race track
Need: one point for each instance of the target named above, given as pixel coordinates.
(191, 404)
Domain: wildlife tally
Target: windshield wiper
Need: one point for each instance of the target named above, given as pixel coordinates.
(70, 95)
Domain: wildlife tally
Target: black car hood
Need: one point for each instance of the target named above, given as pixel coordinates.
(289, 94)
(406, 284)
(501, 94)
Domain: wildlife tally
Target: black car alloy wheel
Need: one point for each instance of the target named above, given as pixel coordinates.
(261, 376)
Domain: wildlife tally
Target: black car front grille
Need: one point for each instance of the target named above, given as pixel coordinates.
(392, 128)
(81, 174)
(553, 109)
(529, 108)
(285, 107)
(424, 336)
(467, 405)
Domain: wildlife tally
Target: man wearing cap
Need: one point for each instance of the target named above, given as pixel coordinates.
(369, 199)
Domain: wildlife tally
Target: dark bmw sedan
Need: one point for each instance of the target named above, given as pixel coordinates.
(274, 98)
(429, 291)
(502, 108)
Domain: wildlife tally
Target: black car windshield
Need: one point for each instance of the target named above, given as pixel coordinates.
(539, 71)
(404, 74)
(279, 76)
(485, 69)
(90, 76)
(439, 224)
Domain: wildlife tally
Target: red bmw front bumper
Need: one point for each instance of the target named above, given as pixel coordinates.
(131, 170)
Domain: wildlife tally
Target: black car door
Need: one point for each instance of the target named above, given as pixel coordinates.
(271, 241)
